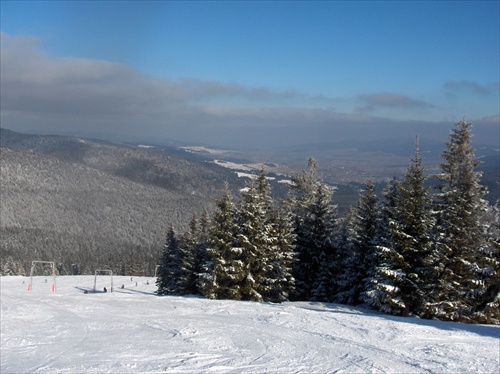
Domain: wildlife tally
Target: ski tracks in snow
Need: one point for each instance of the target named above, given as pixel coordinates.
(135, 331)
(40, 338)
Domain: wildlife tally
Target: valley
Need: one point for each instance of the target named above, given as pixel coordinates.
(85, 201)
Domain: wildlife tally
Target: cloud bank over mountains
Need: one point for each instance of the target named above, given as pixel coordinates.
(68, 95)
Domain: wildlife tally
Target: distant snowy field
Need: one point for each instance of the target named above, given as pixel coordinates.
(131, 330)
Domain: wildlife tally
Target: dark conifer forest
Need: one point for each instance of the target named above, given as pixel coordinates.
(416, 251)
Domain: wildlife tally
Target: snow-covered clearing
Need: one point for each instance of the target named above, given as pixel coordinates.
(132, 330)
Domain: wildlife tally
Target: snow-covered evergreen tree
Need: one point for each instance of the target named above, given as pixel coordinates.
(9, 267)
(170, 265)
(256, 238)
(224, 272)
(486, 308)
(202, 258)
(301, 194)
(347, 259)
(188, 248)
(462, 240)
(358, 266)
(250, 248)
(383, 292)
(314, 223)
(266, 238)
(322, 224)
(283, 258)
(404, 275)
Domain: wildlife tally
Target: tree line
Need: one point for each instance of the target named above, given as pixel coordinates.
(432, 252)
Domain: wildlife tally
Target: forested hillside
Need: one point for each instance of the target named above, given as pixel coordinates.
(425, 245)
(89, 204)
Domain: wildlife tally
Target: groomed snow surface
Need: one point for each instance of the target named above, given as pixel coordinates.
(132, 330)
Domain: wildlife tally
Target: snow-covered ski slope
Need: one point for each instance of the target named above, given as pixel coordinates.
(131, 330)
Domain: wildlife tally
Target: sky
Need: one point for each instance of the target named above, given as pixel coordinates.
(245, 72)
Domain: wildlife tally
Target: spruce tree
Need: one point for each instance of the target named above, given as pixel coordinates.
(188, 248)
(202, 258)
(224, 272)
(301, 197)
(323, 226)
(255, 237)
(487, 306)
(404, 275)
(314, 223)
(9, 267)
(383, 292)
(358, 266)
(170, 265)
(462, 240)
(283, 256)
(347, 259)
(263, 237)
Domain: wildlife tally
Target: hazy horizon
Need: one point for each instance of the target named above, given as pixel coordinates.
(250, 74)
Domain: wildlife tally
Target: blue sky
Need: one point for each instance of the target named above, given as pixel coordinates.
(183, 67)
